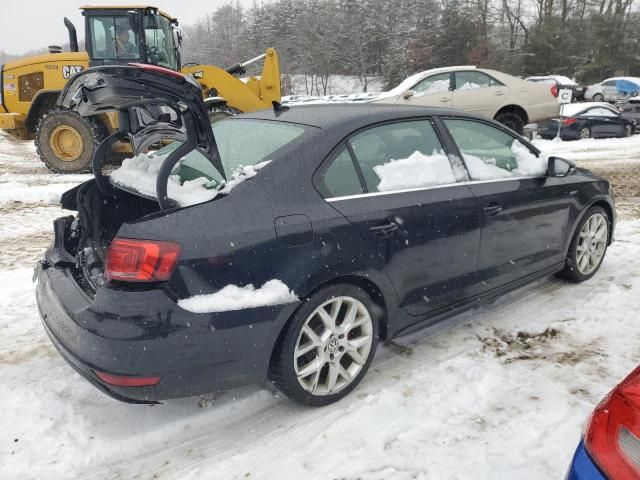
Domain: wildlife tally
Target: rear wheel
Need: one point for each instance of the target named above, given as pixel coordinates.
(584, 132)
(588, 246)
(65, 141)
(598, 97)
(327, 346)
(512, 120)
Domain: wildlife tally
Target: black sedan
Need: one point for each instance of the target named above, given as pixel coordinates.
(588, 120)
(354, 224)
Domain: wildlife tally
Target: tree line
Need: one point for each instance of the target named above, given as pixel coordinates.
(583, 39)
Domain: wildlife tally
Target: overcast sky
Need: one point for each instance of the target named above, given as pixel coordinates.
(29, 24)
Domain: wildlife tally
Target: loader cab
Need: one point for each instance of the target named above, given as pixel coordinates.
(122, 35)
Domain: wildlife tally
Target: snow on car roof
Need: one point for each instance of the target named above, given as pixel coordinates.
(571, 109)
(629, 79)
(558, 78)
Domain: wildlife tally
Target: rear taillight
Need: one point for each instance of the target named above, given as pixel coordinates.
(569, 121)
(554, 90)
(612, 436)
(132, 260)
(127, 381)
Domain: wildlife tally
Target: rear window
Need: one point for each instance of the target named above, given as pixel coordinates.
(245, 146)
(241, 143)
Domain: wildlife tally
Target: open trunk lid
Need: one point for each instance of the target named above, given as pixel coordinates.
(154, 105)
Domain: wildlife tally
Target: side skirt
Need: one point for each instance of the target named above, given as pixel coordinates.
(457, 308)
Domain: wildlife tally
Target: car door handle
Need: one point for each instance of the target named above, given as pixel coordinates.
(445, 99)
(498, 93)
(492, 209)
(385, 230)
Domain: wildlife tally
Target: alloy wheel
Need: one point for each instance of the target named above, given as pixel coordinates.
(592, 243)
(585, 133)
(333, 346)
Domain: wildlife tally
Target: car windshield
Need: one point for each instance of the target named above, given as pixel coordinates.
(245, 146)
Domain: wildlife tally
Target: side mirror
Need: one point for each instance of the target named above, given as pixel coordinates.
(177, 34)
(408, 94)
(559, 167)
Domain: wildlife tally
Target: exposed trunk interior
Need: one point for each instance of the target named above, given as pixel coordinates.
(86, 237)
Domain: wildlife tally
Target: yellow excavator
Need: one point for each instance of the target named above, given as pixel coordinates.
(65, 141)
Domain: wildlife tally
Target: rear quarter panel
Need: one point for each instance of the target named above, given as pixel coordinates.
(534, 97)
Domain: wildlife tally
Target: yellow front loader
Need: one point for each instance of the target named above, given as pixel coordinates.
(64, 140)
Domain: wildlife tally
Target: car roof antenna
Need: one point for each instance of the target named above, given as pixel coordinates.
(278, 107)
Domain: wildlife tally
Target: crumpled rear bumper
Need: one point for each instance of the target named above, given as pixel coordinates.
(145, 333)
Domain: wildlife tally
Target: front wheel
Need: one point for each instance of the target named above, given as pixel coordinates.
(588, 246)
(598, 97)
(627, 131)
(327, 346)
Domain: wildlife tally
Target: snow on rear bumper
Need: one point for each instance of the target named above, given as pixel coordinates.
(147, 334)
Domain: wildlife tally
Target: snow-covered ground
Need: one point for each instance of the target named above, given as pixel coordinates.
(500, 392)
(337, 84)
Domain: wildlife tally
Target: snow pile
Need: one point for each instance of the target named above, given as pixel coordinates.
(25, 193)
(416, 171)
(139, 173)
(243, 173)
(601, 149)
(529, 165)
(469, 86)
(439, 86)
(232, 297)
(481, 169)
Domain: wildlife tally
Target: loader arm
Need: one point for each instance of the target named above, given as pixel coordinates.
(255, 94)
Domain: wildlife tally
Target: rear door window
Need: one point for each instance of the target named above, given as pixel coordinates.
(490, 153)
(473, 80)
(403, 155)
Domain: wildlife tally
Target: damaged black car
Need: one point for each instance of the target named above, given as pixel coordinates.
(282, 245)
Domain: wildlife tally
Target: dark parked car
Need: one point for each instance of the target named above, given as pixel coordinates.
(611, 444)
(630, 110)
(588, 120)
(367, 222)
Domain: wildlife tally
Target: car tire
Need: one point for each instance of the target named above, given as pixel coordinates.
(315, 364)
(512, 120)
(65, 141)
(627, 131)
(598, 97)
(587, 250)
(584, 133)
